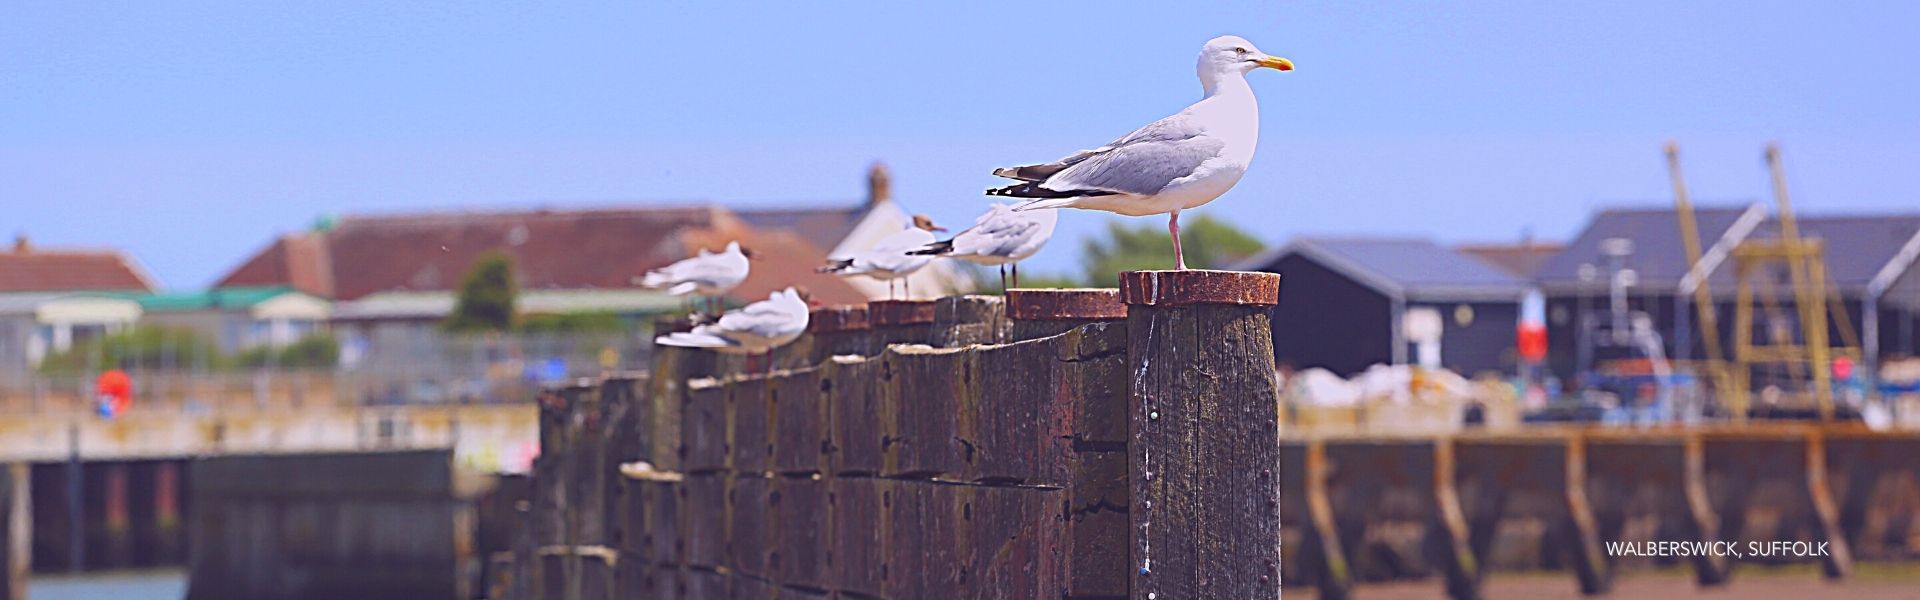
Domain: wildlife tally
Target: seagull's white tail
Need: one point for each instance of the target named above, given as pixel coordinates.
(1047, 203)
(693, 339)
(655, 279)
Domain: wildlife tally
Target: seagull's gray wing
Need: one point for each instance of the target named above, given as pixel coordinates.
(1142, 162)
(1000, 235)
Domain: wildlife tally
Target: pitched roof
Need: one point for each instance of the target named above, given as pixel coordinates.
(27, 269)
(1858, 247)
(1519, 260)
(1417, 269)
(1659, 257)
(230, 298)
(823, 226)
(551, 249)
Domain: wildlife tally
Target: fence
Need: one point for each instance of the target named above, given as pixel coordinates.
(390, 366)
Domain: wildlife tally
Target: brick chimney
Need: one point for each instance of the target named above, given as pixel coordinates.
(20, 245)
(879, 184)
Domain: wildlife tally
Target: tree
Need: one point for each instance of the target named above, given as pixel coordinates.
(486, 301)
(1209, 243)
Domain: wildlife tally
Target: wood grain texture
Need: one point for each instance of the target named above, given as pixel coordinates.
(1205, 445)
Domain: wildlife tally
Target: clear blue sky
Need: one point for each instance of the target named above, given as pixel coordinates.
(191, 133)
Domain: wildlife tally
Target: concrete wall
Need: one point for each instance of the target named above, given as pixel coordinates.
(369, 526)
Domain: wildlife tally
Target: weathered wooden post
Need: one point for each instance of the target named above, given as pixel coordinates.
(16, 530)
(1205, 434)
(899, 322)
(966, 320)
(834, 331)
(1041, 313)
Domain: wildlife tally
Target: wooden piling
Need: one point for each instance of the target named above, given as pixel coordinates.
(16, 531)
(899, 322)
(1042, 313)
(1460, 566)
(966, 320)
(837, 331)
(1837, 563)
(1205, 434)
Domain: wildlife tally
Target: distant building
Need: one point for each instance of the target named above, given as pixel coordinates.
(25, 268)
(238, 318)
(1870, 263)
(1521, 260)
(51, 300)
(597, 250)
(1346, 304)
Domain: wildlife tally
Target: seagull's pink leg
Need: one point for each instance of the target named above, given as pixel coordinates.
(1173, 228)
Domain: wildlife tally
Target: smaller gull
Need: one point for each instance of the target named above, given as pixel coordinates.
(1001, 237)
(708, 274)
(1173, 164)
(891, 257)
(756, 328)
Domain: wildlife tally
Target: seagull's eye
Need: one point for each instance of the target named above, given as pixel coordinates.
(1240, 50)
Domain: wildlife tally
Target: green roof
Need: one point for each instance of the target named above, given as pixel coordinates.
(232, 298)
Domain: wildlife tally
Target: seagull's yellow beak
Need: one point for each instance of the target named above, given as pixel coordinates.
(1275, 62)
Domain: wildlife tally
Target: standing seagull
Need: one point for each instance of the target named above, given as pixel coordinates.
(889, 259)
(709, 274)
(1176, 163)
(757, 328)
(1001, 237)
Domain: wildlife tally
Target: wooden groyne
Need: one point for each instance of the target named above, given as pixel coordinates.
(1126, 444)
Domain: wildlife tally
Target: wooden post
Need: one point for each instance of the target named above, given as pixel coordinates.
(1838, 561)
(1458, 564)
(16, 530)
(1700, 523)
(1205, 434)
(1331, 575)
(899, 322)
(837, 330)
(966, 320)
(1042, 313)
(1589, 563)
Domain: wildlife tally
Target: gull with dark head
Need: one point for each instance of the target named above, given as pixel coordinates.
(1173, 164)
(890, 258)
(1001, 237)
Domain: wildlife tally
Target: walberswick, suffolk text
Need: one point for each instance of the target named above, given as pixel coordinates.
(1683, 549)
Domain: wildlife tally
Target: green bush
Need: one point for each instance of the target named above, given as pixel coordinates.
(142, 347)
(317, 350)
(574, 322)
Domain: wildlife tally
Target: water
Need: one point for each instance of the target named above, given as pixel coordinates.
(169, 584)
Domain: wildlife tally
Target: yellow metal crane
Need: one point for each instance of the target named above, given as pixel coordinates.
(1805, 260)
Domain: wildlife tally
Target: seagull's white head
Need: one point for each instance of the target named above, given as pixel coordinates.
(1234, 55)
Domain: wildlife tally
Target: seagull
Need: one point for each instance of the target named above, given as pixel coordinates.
(890, 258)
(708, 274)
(1001, 237)
(756, 328)
(1173, 164)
